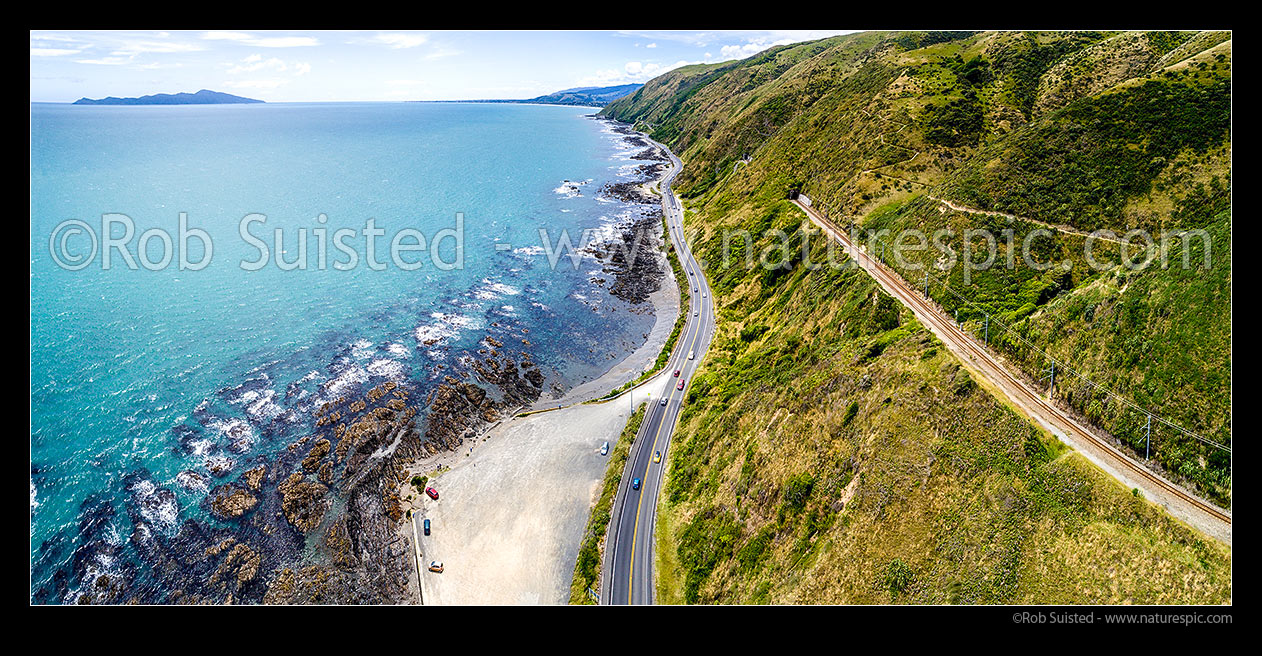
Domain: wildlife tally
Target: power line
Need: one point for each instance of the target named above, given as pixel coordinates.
(1110, 393)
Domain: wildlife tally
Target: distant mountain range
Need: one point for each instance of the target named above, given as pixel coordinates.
(203, 97)
(589, 96)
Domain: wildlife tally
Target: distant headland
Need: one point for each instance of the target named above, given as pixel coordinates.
(203, 97)
(585, 96)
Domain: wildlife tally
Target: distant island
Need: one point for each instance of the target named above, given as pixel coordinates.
(203, 97)
(587, 96)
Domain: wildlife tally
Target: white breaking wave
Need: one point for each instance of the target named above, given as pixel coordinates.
(344, 381)
(239, 434)
(361, 349)
(386, 368)
(160, 510)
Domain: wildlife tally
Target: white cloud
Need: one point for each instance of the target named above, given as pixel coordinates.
(440, 53)
(262, 42)
(402, 39)
(133, 48)
(743, 51)
(740, 43)
(755, 44)
(226, 36)
(105, 61)
(651, 45)
(632, 71)
(255, 62)
(53, 52)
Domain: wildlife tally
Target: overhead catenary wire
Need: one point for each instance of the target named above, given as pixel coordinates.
(1004, 328)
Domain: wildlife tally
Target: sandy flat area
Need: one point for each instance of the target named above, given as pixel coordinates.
(510, 517)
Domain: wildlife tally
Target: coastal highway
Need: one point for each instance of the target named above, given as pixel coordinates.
(628, 567)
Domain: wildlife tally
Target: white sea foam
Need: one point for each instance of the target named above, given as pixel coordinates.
(200, 447)
(493, 289)
(398, 350)
(157, 507)
(218, 463)
(348, 378)
(264, 407)
(239, 434)
(361, 349)
(386, 368)
(571, 188)
(192, 481)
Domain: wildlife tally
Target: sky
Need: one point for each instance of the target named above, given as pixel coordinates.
(321, 66)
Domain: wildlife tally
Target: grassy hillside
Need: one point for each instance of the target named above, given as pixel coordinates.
(831, 450)
(1084, 130)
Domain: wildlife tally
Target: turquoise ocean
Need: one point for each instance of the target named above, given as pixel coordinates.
(144, 382)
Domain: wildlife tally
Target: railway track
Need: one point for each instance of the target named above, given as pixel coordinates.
(1179, 502)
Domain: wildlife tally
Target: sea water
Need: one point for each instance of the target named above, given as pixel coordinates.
(142, 375)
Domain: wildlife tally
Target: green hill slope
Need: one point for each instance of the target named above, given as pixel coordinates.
(826, 416)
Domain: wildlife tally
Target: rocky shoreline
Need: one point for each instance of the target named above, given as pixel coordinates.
(321, 521)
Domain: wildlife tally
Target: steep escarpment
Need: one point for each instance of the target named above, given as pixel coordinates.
(1035, 137)
(831, 450)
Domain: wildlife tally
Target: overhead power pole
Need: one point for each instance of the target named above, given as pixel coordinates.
(1147, 437)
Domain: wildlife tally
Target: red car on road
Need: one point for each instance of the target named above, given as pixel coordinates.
(433, 494)
(680, 385)
(676, 373)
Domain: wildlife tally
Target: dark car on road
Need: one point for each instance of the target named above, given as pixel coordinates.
(427, 527)
(635, 484)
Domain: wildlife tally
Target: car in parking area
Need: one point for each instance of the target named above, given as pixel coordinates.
(426, 524)
(436, 566)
